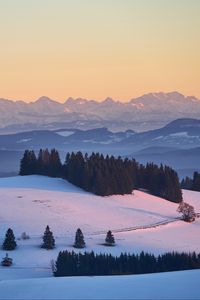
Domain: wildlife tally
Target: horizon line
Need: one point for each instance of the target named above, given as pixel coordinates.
(96, 100)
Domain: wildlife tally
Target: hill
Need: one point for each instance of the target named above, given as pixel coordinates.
(183, 285)
(29, 203)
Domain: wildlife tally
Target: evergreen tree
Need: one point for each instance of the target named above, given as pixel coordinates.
(48, 239)
(110, 240)
(9, 242)
(55, 166)
(196, 182)
(186, 183)
(79, 239)
(6, 261)
(28, 163)
(40, 167)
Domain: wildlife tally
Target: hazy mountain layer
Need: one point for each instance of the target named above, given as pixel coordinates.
(147, 112)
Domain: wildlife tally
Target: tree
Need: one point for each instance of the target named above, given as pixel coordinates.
(25, 236)
(79, 239)
(55, 165)
(110, 240)
(6, 261)
(28, 163)
(9, 242)
(186, 183)
(48, 239)
(187, 211)
(196, 182)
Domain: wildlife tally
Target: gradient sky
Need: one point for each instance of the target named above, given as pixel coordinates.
(98, 48)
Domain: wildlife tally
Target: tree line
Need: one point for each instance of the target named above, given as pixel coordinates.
(104, 175)
(91, 264)
(191, 183)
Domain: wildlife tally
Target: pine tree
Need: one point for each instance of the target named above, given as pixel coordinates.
(6, 261)
(79, 239)
(9, 242)
(55, 165)
(110, 240)
(28, 163)
(48, 239)
(196, 182)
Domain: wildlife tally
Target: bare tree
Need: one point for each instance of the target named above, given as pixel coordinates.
(187, 211)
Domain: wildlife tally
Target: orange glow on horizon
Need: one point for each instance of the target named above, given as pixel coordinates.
(98, 49)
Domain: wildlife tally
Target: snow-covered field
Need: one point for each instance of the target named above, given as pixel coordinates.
(30, 203)
(172, 285)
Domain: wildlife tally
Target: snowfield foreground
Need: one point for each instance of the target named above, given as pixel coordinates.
(140, 222)
(172, 285)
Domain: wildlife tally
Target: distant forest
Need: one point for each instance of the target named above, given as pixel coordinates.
(191, 183)
(90, 264)
(104, 175)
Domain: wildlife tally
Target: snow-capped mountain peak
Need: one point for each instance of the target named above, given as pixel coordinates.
(149, 111)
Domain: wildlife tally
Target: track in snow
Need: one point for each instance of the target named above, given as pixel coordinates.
(149, 226)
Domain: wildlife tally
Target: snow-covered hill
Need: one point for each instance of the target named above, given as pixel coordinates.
(173, 285)
(39, 200)
(29, 203)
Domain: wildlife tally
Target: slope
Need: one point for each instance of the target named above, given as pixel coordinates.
(29, 203)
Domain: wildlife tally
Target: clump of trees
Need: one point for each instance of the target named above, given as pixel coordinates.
(191, 183)
(46, 163)
(90, 264)
(104, 175)
(187, 212)
(9, 241)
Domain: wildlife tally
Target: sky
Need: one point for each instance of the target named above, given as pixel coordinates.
(98, 48)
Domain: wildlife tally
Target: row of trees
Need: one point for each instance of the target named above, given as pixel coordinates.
(91, 264)
(49, 241)
(104, 175)
(191, 183)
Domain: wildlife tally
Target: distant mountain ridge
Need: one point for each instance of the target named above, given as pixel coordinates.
(177, 144)
(149, 111)
(179, 134)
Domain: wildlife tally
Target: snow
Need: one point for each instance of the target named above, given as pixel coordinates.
(29, 203)
(65, 133)
(158, 138)
(65, 207)
(24, 140)
(183, 134)
(172, 285)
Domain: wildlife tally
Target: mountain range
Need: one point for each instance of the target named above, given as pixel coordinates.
(178, 134)
(149, 111)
